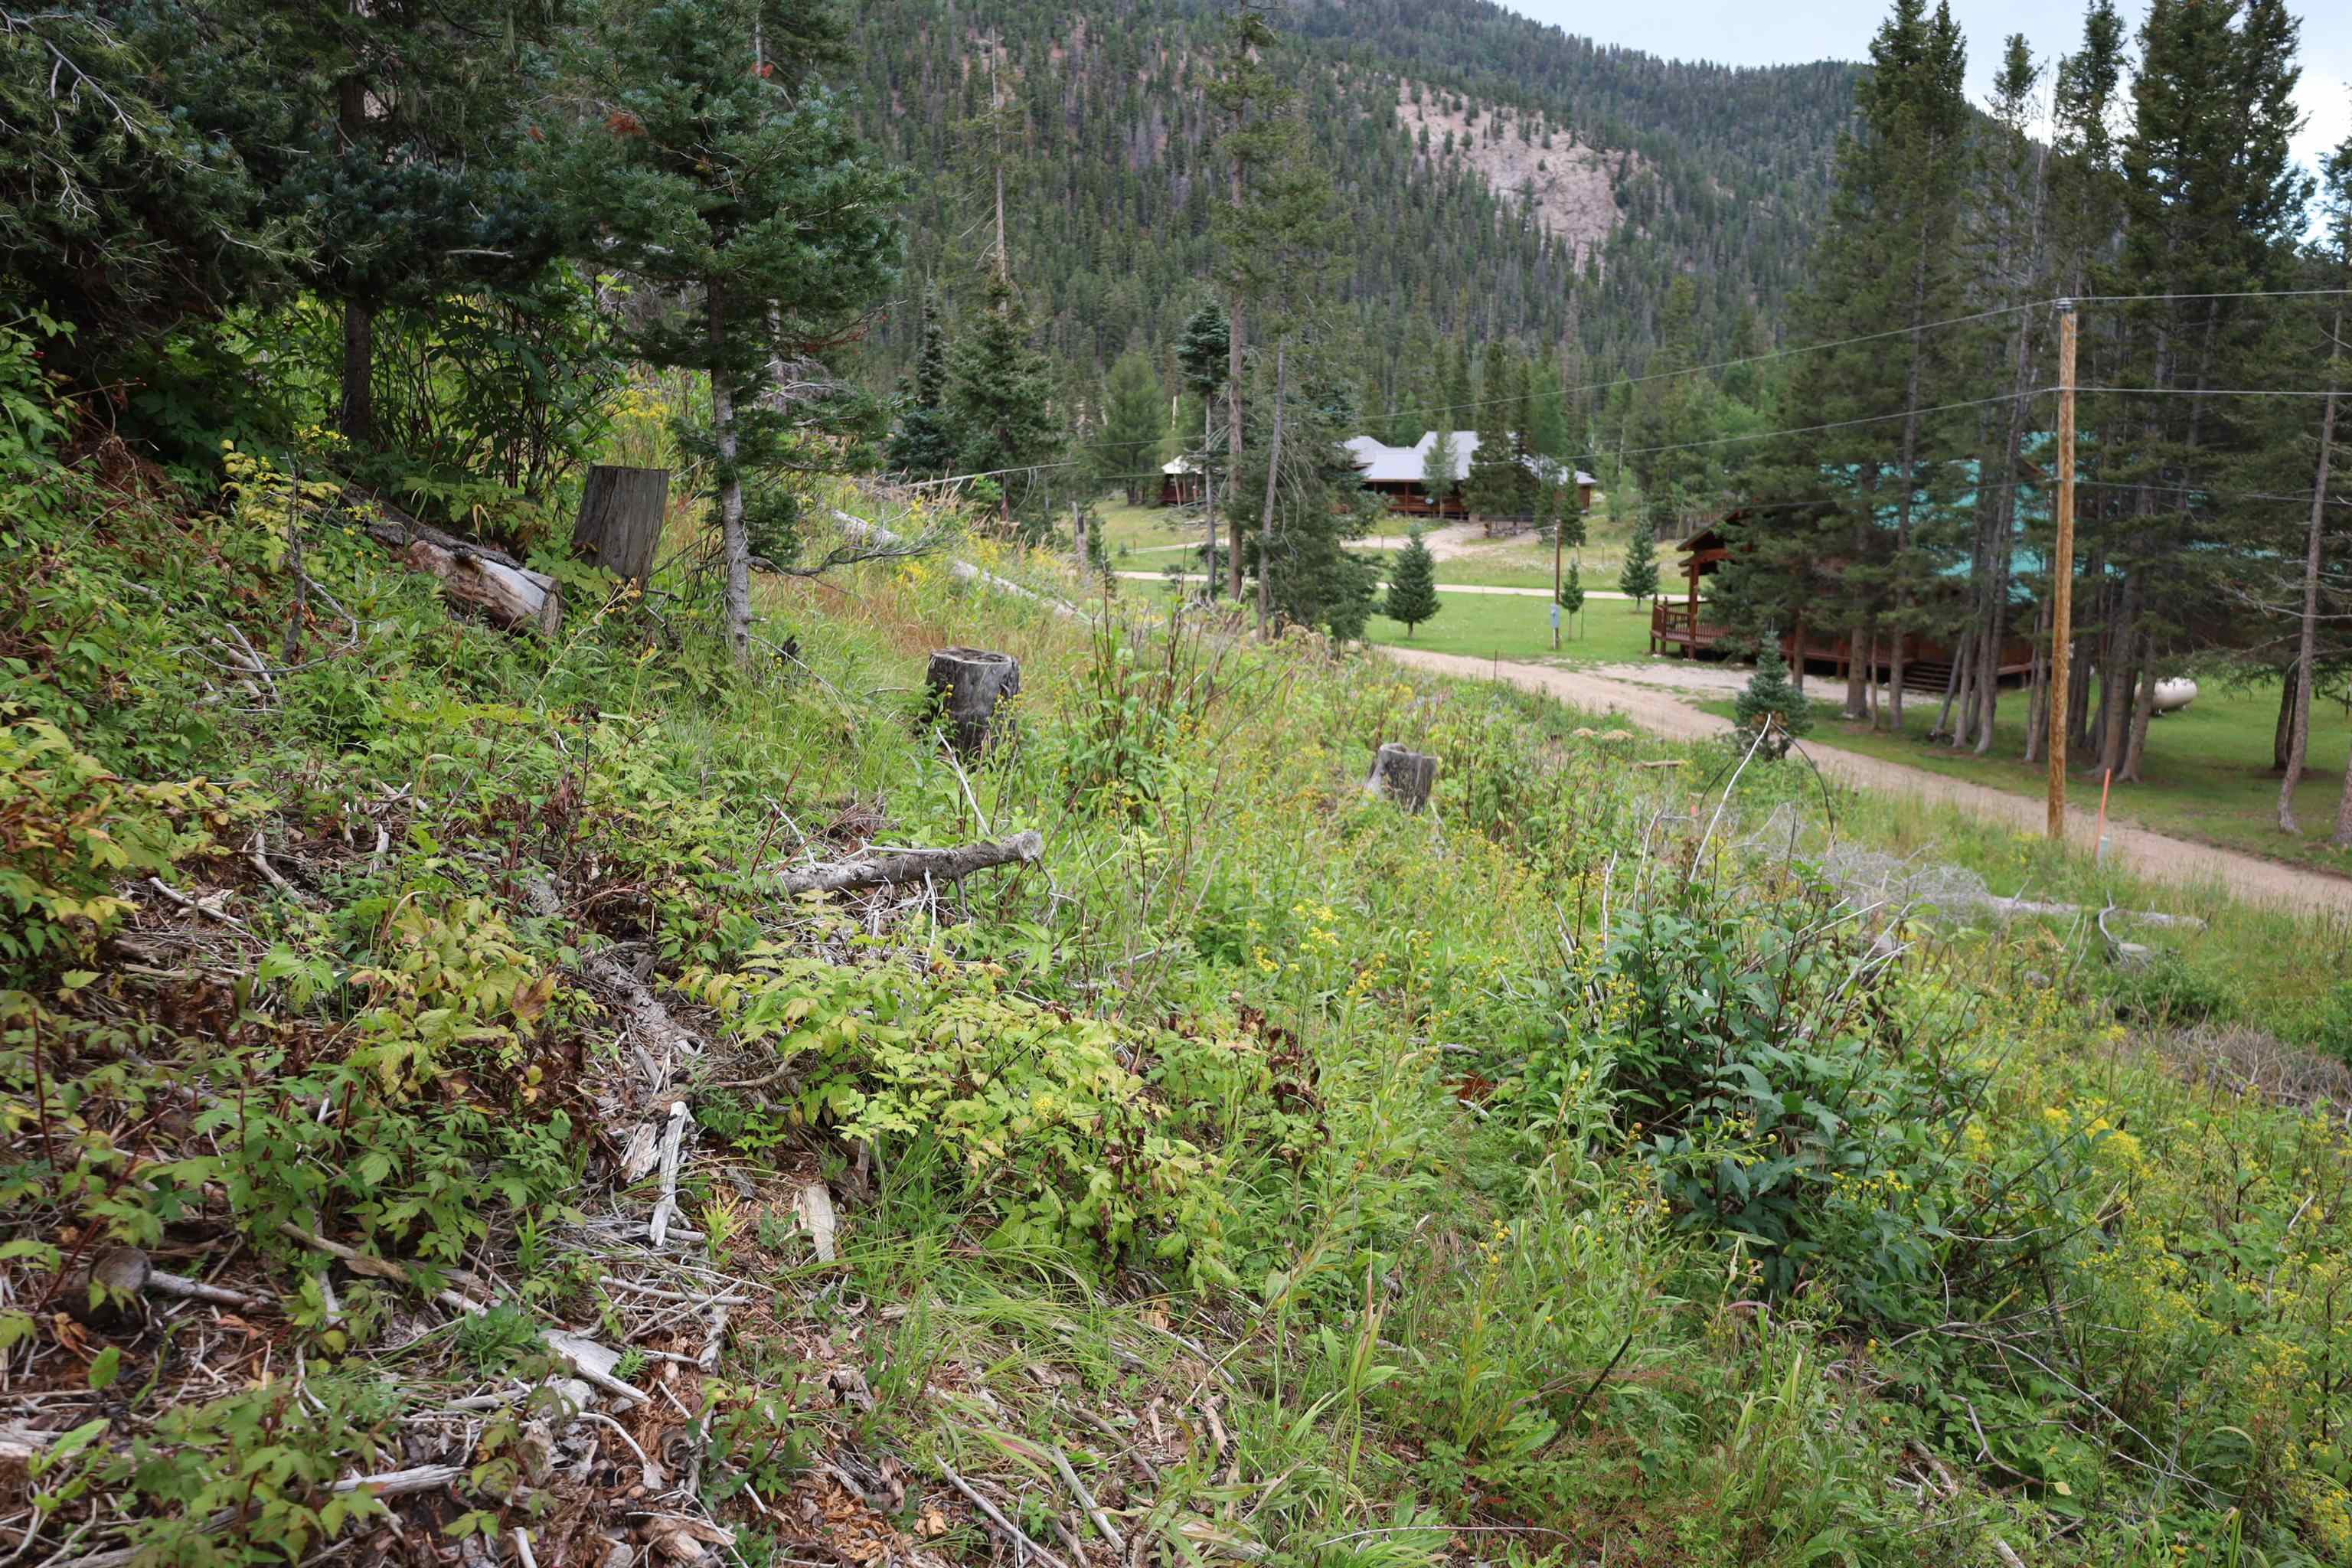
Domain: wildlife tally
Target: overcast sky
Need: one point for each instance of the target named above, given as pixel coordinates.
(1741, 31)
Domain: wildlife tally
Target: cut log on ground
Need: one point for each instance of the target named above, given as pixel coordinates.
(660, 1038)
(1403, 776)
(2145, 917)
(967, 684)
(620, 522)
(935, 866)
(508, 594)
(866, 532)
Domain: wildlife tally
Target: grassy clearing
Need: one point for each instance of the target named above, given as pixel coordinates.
(1490, 626)
(1145, 528)
(1567, 1173)
(2207, 770)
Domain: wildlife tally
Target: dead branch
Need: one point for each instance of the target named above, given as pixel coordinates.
(2145, 916)
(1011, 1531)
(581, 1355)
(905, 866)
(1087, 1501)
(645, 1012)
(673, 1146)
(197, 1290)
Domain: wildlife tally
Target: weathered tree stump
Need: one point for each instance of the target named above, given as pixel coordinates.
(620, 522)
(967, 683)
(1404, 776)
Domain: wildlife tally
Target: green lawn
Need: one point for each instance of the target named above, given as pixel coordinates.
(1489, 626)
(2208, 768)
(1138, 528)
(1138, 537)
(1526, 562)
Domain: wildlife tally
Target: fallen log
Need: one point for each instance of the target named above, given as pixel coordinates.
(962, 571)
(915, 866)
(508, 594)
(646, 1017)
(2145, 917)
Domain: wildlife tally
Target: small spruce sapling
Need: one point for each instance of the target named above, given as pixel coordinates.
(1412, 587)
(1571, 592)
(1771, 714)
(1639, 580)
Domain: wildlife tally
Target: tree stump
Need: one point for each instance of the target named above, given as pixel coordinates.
(967, 683)
(620, 522)
(1404, 776)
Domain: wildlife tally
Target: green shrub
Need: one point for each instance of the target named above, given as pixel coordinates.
(1770, 714)
(1036, 1116)
(71, 832)
(2167, 990)
(2331, 1022)
(1761, 1073)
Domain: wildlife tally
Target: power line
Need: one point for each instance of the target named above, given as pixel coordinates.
(2235, 294)
(988, 474)
(1907, 331)
(2205, 391)
(1811, 429)
(2206, 492)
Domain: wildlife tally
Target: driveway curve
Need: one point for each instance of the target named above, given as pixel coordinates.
(2158, 857)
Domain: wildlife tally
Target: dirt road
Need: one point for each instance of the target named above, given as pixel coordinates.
(1442, 587)
(2155, 856)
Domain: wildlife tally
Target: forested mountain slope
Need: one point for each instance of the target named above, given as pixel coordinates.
(1638, 168)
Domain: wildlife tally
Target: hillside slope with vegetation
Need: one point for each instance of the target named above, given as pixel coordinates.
(531, 1045)
(1572, 1172)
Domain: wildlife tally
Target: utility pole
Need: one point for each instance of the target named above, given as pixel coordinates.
(2061, 574)
(1558, 527)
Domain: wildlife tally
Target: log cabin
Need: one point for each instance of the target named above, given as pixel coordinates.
(1180, 482)
(1691, 625)
(1397, 474)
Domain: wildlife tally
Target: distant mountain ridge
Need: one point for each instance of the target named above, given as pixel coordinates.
(1491, 167)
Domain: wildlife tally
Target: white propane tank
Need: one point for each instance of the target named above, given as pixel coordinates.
(2172, 696)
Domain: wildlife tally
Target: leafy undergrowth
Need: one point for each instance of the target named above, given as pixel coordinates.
(1564, 1176)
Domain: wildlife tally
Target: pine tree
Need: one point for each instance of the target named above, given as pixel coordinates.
(1461, 410)
(1201, 355)
(1572, 590)
(1412, 584)
(1549, 431)
(1861, 513)
(2213, 205)
(1000, 400)
(1134, 424)
(780, 232)
(1201, 349)
(1770, 714)
(1441, 468)
(119, 214)
(1670, 410)
(1493, 486)
(924, 446)
(1317, 502)
(1253, 100)
(390, 132)
(1277, 240)
(1639, 579)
